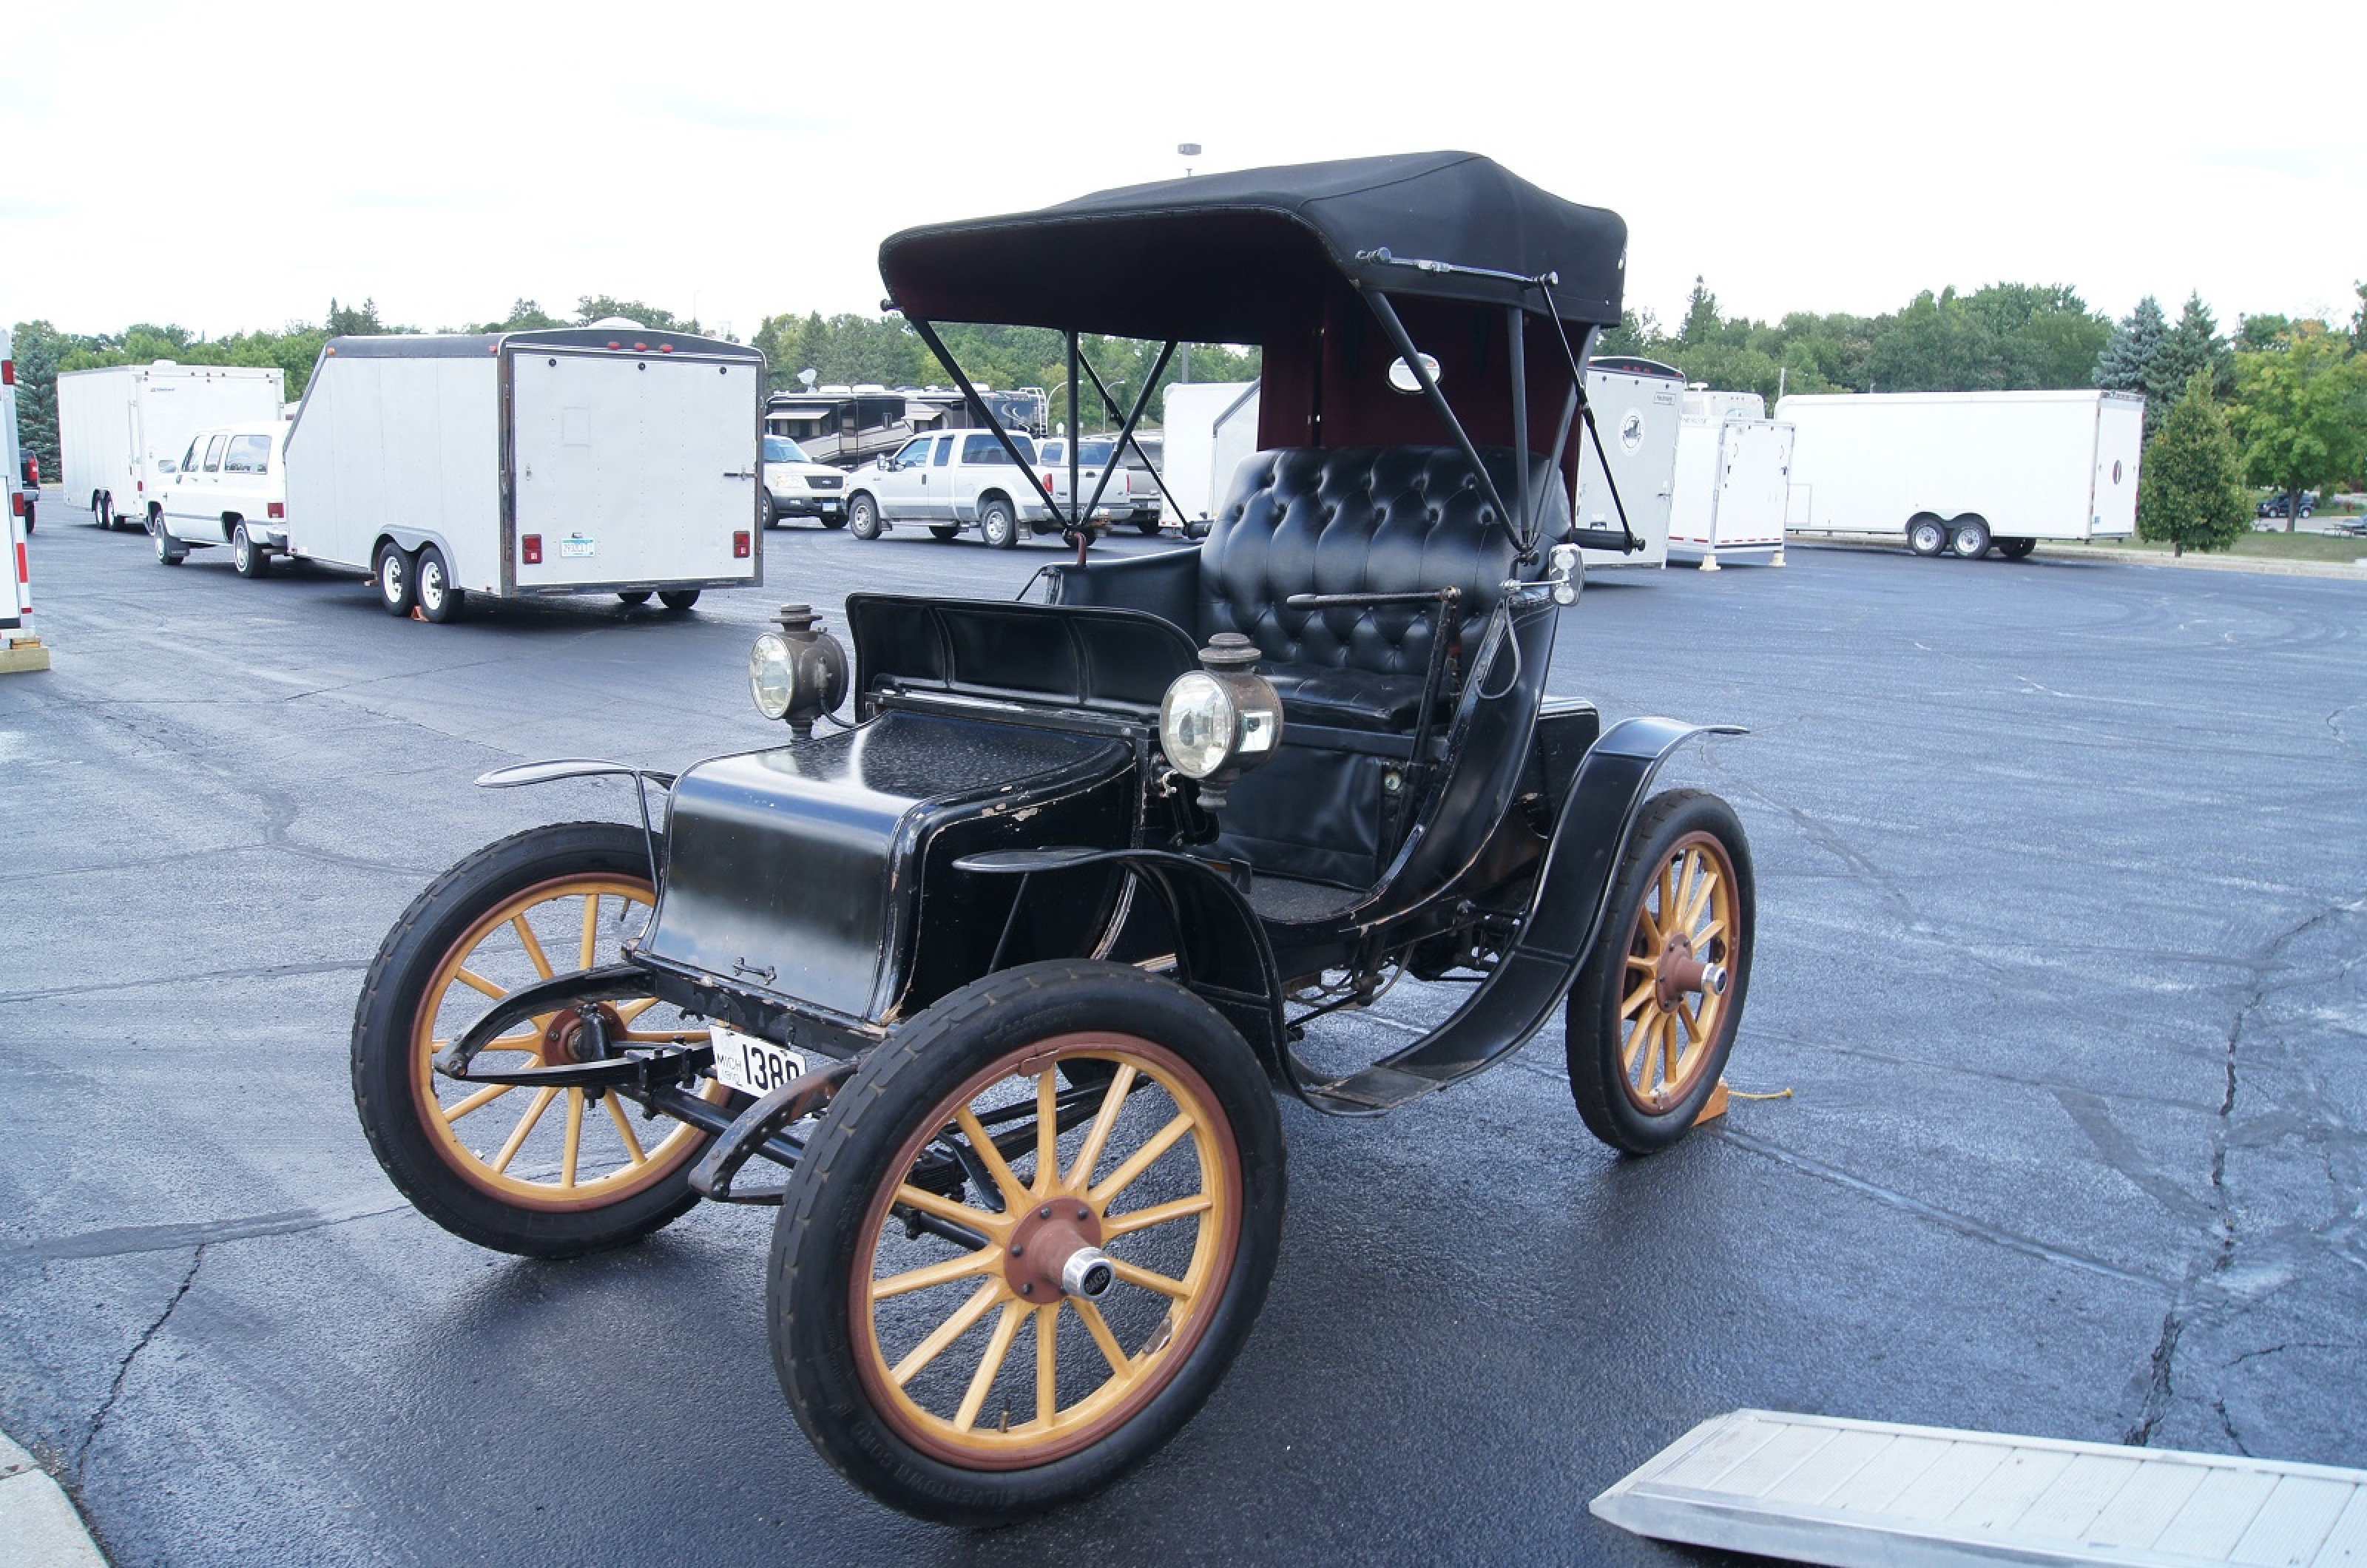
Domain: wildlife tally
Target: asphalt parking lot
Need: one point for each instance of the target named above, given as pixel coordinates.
(2063, 910)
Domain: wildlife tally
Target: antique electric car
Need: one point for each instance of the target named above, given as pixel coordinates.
(1001, 977)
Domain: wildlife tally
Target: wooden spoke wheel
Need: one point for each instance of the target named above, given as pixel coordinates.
(1027, 1239)
(546, 1172)
(1653, 1017)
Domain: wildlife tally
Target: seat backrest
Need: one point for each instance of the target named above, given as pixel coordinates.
(1363, 520)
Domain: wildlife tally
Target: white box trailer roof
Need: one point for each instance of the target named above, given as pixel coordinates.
(571, 460)
(1209, 428)
(117, 424)
(1637, 414)
(2024, 466)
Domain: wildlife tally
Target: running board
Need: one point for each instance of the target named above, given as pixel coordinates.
(1871, 1495)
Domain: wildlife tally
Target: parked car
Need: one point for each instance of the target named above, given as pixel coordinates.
(1118, 502)
(949, 481)
(228, 487)
(797, 486)
(2281, 504)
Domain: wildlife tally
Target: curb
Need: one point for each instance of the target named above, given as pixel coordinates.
(2334, 570)
(38, 1526)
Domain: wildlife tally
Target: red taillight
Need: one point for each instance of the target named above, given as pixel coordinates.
(16, 502)
(530, 549)
(278, 511)
(739, 545)
(8, 372)
(641, 348)
(1047, 487)
(614, 343)
(33, 466)
(665, 348)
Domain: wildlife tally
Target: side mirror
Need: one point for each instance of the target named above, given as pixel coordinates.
(167, 467)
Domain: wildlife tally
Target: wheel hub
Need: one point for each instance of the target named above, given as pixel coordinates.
(568, 1039)
(1678, 970)
(1052, 1238)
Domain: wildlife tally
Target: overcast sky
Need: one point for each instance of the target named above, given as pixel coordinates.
(235, 167)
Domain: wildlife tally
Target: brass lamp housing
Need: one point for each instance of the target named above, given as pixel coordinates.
(1235, 705)
(799, 673)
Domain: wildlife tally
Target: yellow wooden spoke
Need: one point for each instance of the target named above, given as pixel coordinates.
(1702, 937)
(1157, 1214)
(1141, 1160)
(1047, 1131)
(574, 1150)
(1637, 960)
(591, 929)
(1632, 1051)
(484, 1096)
(949, 1331)
(1149, 1281)
(1048, 1373)
(1095, 1324)
(989, 1157)
(1701, 896)
(942, 1273)
(981, 1382)
(477, 981)
(945, 1208)
(1104, 1121)
(625, 1130)
(1684, 868)
(533, 944)
(1638, 997)
(1691, 1006)
(542, 1099)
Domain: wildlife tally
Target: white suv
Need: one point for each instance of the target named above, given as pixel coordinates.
(230, 487)
(797, 486)
(951, 480)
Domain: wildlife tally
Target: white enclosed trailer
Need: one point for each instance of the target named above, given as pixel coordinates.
(1209, 428)
(1733, 473)
(118, 425)
(19, 648)
(571, 460)
(1959, 472)
(1637, 412)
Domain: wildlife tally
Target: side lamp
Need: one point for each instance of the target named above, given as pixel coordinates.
(797, 674)
(1220, 720)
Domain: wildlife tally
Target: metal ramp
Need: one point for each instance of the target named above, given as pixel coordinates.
(1869, 1495)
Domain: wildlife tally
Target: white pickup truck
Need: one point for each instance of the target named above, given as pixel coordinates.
(952, 480)
(1117, 503)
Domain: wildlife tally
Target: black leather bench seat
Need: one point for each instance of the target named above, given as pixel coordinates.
(1346, 699)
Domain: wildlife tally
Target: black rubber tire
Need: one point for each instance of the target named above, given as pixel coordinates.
(833, 519)
(634, 595)
(383, 1091)
(945, 530)
(247, 558)
(102, 513)
(1968, 539)
(818, 1234)
(438, 600)
(1926, 534)
(1590, 1017)
(863, 516)
(397, 587)
(767, 515)
(998, 525)
(2016, 549)
(170, 551)
(677, 598)
(1147, 526)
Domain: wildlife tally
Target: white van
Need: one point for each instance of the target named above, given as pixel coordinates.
(228, 487)
(122, 428)
(602, 459)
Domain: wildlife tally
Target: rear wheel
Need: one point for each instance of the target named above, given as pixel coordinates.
(766, 512)
(394, 584)
(1147, 526)
(1969, 537)
(863, 517)
(998, 525)
(2016, 549)
(543, 1172)
(102, 516)
(677, 598)
(439, 600)
(634, 595)
(170, 551)
(1652, 1018)
(1926, 534)
(945, 530)
(1030, 1235)
(250, 559)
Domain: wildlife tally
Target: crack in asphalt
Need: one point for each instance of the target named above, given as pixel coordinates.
(126, 1241)
(123, 1369)
(260, 971)
(2193, 1297)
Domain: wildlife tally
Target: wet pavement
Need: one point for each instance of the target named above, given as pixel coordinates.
(2063, 905)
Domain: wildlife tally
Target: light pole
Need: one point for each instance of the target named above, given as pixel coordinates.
(1184, 362)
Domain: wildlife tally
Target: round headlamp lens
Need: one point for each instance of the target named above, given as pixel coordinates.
(772, 678)
(1197, 725)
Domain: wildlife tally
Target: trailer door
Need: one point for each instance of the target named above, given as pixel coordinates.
(633, 470)
(2120, 443)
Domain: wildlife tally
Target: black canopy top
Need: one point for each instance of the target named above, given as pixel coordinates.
(1237, 257)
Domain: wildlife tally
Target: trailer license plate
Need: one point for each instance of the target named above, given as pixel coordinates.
(749, 1065)
(579, 544)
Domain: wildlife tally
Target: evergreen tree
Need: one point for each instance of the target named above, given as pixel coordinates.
(2190, 490)
(1702, 323)
(2136, 343)
(2193, 344)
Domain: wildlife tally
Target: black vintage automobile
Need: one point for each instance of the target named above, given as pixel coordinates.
(1006, 974)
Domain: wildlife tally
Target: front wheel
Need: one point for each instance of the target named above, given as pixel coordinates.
(767, 515)
(998, 525)
(541, 1172)
(247, 558)
(863, 517)
(1028, 1237)
(1652, 1018)
(170, 551)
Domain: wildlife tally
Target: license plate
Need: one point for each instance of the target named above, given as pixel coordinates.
(749, 1065)
(578, 546)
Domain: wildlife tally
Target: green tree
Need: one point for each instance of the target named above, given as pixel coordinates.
(2301, 413)
(39, 349)
(2189, 492)
(2256, 334)
(592, 307)
(2193, 344)
(2127, 360)
(2359, 321)
(524, 316)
